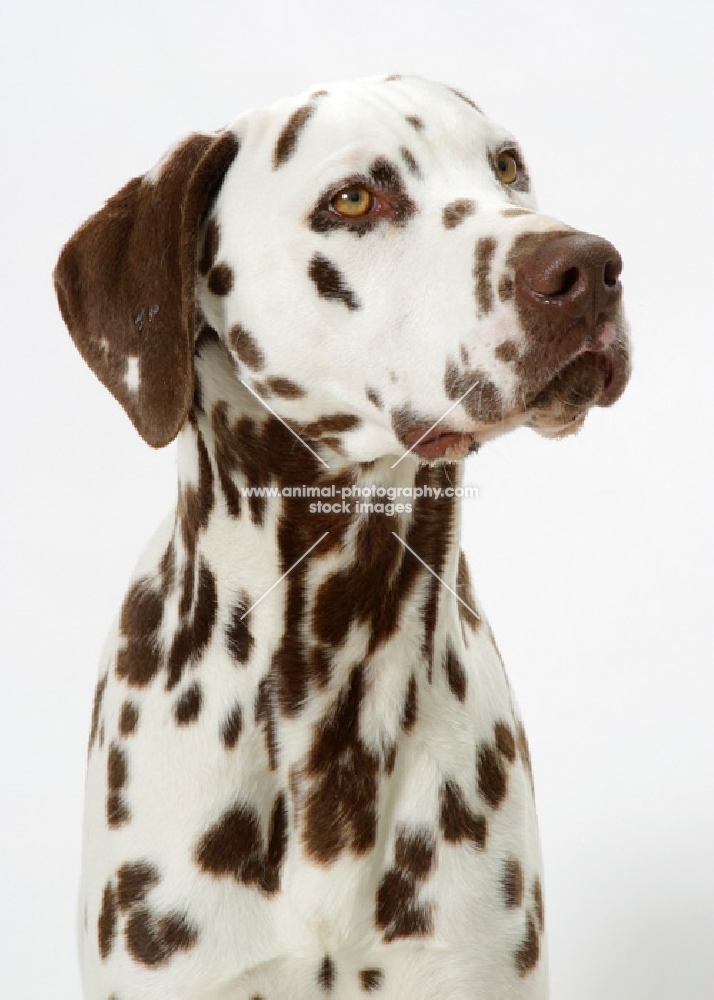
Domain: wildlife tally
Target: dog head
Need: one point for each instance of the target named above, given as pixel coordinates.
(372, 258)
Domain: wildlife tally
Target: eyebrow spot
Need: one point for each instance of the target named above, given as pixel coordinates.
(288, 138)
(468, 100)
(410, 161)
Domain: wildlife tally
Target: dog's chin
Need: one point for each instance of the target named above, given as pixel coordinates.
(560, 408)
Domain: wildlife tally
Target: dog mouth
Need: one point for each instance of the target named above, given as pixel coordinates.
(590, 379)
(596, 376)
(440, 443)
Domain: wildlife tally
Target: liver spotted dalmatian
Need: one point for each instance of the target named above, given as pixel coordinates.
(307, 775)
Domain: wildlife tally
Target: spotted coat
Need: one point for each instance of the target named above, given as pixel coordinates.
(307, 775)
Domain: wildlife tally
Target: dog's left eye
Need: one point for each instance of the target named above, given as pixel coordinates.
(353, 202)
(506, 167)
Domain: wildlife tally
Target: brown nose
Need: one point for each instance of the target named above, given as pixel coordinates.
(575, 276)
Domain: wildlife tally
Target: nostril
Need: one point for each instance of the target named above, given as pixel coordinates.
(569, 280)
(612, 272)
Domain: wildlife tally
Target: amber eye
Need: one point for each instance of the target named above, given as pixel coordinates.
(506, 167)
(353, 202)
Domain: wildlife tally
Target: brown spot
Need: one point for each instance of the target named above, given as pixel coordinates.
(117, 773)
(538, 902)
(326, 974)
(512, 883)
(492, 776)
(374, 397)
(117, 810)
(523, 750)
(220, 279)
(393, 76)
(482, 397)
(455, 673)
(142, 611)
(210, 248)
(265, 715)
(188, 707)
(371, 980)
(288, 138)
(507, 351)
(467, 610)
(233, 847)
(238, 635)
(456, 211)
(96, 708)
(319, 93)
(285, 388)
(456, 819)
(232, 727)
(340, 810)
(331, 423)
(468, 100)
(246, 347)
(107, 922)
(116, 768)
(134, 880)
(409, 713)
(414, 851)
(410, 161)
(505, 741)
(128, 719)
(167, 569)
(195, 505)
(153, 940)
(526, 958)
(506, 288)
(512, 213)
(485, 249)
(399, 914)
(194, 634)
(415, 122)
(330, 283)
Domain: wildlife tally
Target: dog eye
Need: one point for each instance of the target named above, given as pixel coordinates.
(506, 167)
(353, 202)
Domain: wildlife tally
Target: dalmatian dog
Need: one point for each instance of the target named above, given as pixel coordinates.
(307, 774)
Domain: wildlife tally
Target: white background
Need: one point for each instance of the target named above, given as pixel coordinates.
(593, 556)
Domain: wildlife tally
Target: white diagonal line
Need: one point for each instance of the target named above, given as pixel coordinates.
(436, 575)
(453, 406)
(284, 575)
(284, 424)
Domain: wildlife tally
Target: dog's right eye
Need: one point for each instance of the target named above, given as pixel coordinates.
(353, 202)
(506, 167)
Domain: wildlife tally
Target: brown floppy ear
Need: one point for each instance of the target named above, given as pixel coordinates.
(126, 284)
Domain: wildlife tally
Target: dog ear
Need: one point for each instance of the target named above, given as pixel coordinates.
(126, 284)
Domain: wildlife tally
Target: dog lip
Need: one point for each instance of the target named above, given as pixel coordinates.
(437, 443)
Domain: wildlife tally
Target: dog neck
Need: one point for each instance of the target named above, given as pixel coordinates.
(368, 552)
